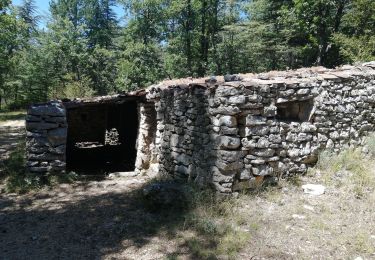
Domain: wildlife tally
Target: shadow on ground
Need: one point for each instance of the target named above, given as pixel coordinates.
(86, 227)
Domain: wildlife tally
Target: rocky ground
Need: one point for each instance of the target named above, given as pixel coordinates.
(107, 219)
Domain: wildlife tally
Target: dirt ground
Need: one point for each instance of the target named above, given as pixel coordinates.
(11, 132)
(106, 219)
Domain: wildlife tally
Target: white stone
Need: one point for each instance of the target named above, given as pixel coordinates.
(296, 216)
(229, 121)
(227, 142)
(308, 207)
(252, 120)
(313, 189)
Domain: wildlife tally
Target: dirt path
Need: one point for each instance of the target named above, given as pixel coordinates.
(88, 220)
(93, 219)
(11, 132)
(107, 219)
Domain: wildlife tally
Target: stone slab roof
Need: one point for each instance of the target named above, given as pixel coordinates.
(250, 79)
(274, 77)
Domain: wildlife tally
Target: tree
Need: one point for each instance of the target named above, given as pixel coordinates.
(86, 29)
(321, 19)
(27, 13)
(100, 22)
(140, 65)
(357, 36)
(8, 43)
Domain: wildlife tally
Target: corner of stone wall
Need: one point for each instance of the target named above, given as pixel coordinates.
(46, 138)
(146, 162)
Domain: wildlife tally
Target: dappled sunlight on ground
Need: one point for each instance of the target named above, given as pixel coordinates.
(107, 218)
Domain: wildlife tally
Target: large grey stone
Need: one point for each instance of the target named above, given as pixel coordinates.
(51, 109)
(226, 120)
(229, 166)
(270, 111)
(263, 152)
(225, 110)
(57, 136)
(230, 156)
(217, 176)
(31, 126)
(227, 142)
(257, 130)
(252, 120)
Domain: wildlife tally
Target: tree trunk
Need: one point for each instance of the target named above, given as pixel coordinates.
(322, 37)
(203, 40)
(339, 14)
(188, 37)
(215, 30)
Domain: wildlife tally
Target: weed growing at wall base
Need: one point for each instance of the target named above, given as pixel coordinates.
(351, 168)
(210, 227)
(218, 226)
(19, 181)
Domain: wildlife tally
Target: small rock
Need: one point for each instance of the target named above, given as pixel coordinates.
(296, 216)
(212, 79)
(122, 174)
(313, 189)
(229, 78)
(308, 207)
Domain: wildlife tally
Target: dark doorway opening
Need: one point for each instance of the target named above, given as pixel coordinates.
(102, 137)
(295, 111)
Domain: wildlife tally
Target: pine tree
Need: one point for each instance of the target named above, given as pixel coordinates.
(357, 36)
(9, 43)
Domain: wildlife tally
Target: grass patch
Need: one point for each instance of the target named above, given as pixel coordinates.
(218, 225)
(17, 180)
(12, 115)
(208, 226)
(350, 168)
(362, 243)
(370, 144)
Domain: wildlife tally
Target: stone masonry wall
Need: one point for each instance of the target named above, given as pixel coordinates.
(231, 132)
(236, 133)
(146, 157)
(46, 138)
(182, 137)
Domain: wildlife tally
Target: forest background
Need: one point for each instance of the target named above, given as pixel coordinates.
(84, 50)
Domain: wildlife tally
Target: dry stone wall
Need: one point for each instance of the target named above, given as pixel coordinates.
(231, 132)
(46, 135)
(233, 135)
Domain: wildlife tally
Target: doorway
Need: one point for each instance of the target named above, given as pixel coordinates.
(102, 137)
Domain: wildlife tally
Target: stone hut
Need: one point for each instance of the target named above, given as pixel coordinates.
(227, 132)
